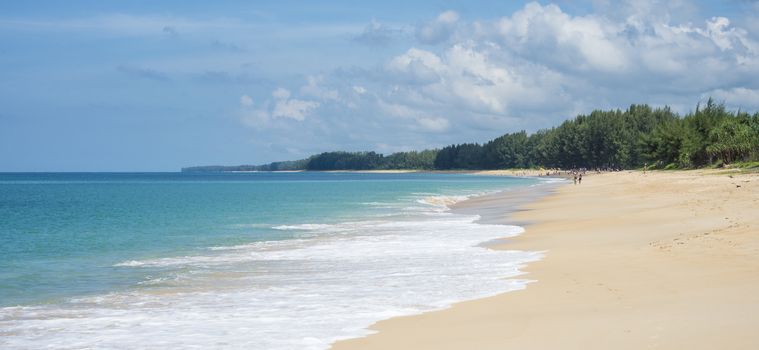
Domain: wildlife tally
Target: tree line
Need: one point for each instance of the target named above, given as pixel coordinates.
(641, 135)
(275, 166)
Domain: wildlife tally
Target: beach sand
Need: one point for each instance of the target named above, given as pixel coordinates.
(664, 260)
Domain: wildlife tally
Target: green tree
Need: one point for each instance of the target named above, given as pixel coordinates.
(507, 151)
(731, 140)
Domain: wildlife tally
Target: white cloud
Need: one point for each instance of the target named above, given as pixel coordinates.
(746, 99)
(397, 110)
(286, 107)
(718, 30)
(315, 88)
(416, 67)
(560, 39)
(293, 109)
(414, 118)
(530, 69)
(281, 93)
(438, 30)
(541, 58)
(377, 34)
(246, 100)
(283, 107)
(473, 79)
(255, 118)
(252, 115)
(448, 17)
(433, 124)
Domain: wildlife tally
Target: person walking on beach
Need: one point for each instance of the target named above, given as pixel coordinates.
(575, 179)
(579, 179)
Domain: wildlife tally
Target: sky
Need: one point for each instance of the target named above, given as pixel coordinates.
(156, 86)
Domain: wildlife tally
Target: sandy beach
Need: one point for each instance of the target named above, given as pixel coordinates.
(664, 260)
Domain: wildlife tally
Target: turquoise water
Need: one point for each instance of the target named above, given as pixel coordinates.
(62, 234)
(89, 244)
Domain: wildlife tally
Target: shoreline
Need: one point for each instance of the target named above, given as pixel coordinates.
(500, 208)
(496, 172)
(663, 260)
(493, 209)
(399, 255)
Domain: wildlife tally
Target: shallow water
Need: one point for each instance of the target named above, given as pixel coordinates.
(255, 260)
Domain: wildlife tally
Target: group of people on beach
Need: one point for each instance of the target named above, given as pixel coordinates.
(578, 176)
(578, 173)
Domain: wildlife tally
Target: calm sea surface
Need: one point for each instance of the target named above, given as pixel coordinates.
(237, 260)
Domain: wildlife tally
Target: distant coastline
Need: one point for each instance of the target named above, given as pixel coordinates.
(640, 137)
(493, 172)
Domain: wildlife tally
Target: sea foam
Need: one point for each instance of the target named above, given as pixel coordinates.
(290, 294)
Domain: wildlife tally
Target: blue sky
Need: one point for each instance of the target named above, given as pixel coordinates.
(154, 86)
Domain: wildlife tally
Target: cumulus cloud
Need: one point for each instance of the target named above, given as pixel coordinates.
(282, 107)
(281, 94)
(542, 60)
(255, 118)
(433, 124)
(473, 78)
(416, 67)
(739, 97)
(645, 43)
(286, 107)
(586, 43)
(469, 81)
(315, 88)
(376, 34)
(416, 119)
(438, 30)
(253, 115)
(293, 109)
(246, 100)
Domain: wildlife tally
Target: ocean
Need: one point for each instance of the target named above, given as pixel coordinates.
(238, 260)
